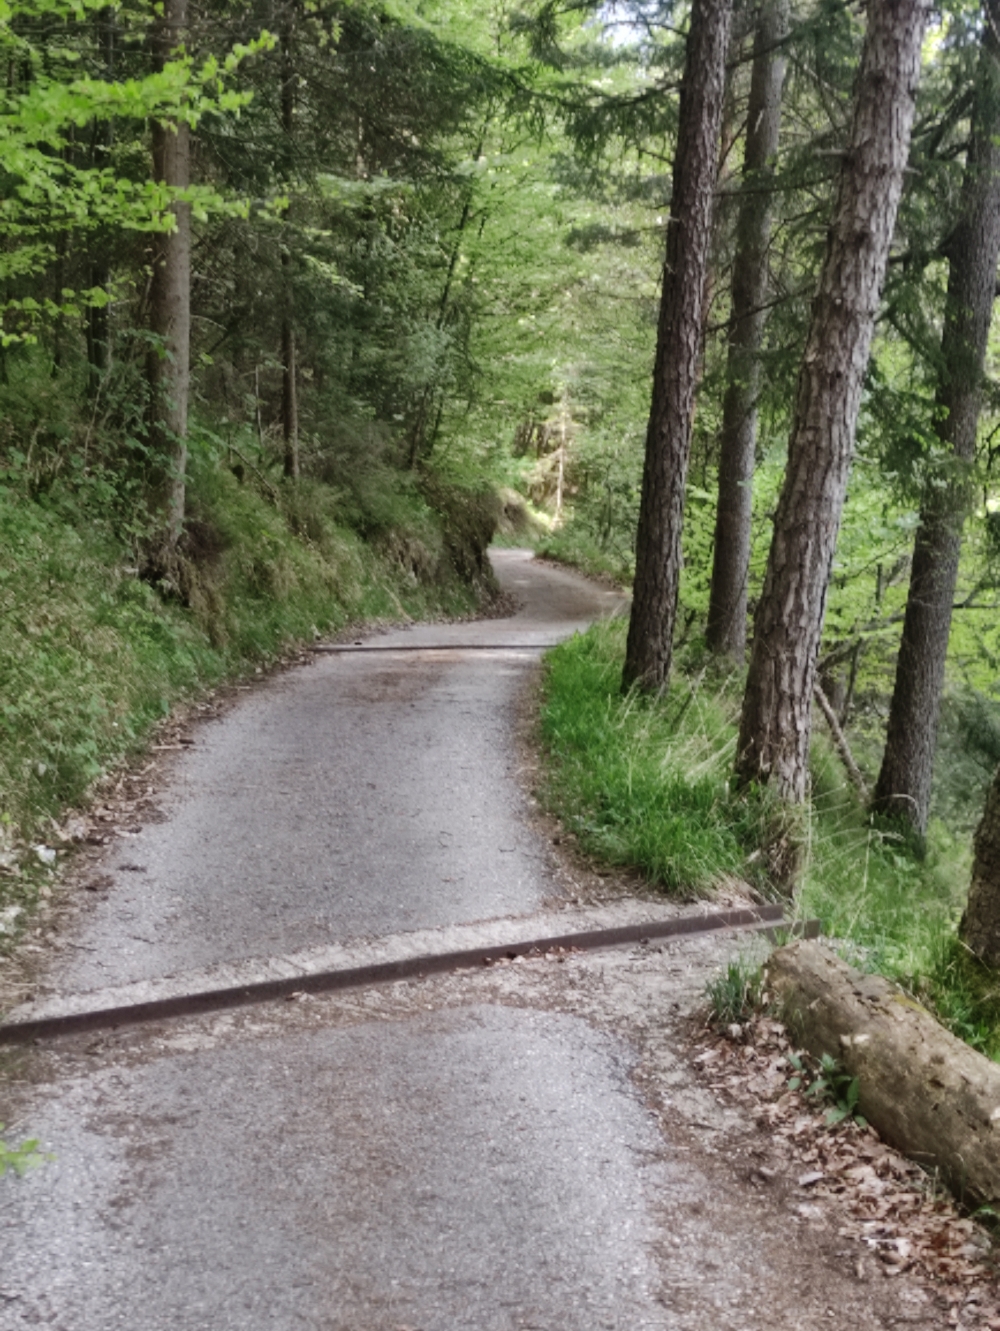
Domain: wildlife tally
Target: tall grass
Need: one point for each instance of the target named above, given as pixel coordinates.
(646, 783)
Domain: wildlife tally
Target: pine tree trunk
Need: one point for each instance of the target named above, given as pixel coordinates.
(289, 399)
(903, 789)
(980, 927)
(727, 609)
(289, 384)
(775, 725)
(168, 368)
(98, 329)
(678, 350)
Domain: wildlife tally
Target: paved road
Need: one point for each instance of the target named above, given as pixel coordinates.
(367, 794)
(513, 1149)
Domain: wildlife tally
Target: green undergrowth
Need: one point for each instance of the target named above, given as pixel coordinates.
(92, 656)
(573, 544)
(646, 784)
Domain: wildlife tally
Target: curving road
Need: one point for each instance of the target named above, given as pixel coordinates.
(371, 793)
(517, 1148)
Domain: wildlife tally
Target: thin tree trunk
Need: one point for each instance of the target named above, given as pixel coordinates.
(840, 742)
(775, 725)
(98, 329)
(727, 609)
(58, 284)
(678, 350)
(168, 367)
(289, 385)
(289, 397)
(904, 784)
(980, 927)
(421, 442)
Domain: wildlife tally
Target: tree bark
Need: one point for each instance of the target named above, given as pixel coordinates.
(980, 927)
(774, 734)
(678, 350)
(289, 396)
(289, 384)
(168, 367)
(727, 608)
(903, 788)
(921, 1088)
(98, 329)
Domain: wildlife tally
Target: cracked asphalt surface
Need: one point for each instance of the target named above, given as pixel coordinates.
(521, 1146)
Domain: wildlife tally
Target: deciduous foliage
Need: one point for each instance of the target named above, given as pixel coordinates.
(50, 103)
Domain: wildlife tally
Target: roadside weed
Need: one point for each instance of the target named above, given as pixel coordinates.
(644, 783)
(831, 1082)
(19, 1159)
(737, 993)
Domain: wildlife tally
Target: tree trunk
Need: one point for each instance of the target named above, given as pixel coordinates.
(98, 329)
(903, 789)
(775, 725)
(678, 350)
(727, 608)
(168, 366)
(289, 396)
(921, 1088)
(422, 440)
(289, 385)
(980, 927)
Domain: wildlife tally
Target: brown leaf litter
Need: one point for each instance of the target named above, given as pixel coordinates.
(899, 1215)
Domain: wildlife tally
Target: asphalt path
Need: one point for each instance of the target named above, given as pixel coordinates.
(512, 1149)
(370, 793)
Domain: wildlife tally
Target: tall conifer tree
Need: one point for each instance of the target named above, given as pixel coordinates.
(678, 349)
(727, 611)
(904, 784)
(775, 724)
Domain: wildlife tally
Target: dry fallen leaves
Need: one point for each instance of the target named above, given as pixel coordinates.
(891, 1208)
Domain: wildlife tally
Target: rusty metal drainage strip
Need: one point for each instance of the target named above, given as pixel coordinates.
(767, 919)
(356, 648)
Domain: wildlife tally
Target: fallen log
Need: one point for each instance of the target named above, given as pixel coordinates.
(924, 1091)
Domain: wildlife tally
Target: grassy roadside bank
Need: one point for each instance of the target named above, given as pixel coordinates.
(92, 657)
(645, 783)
